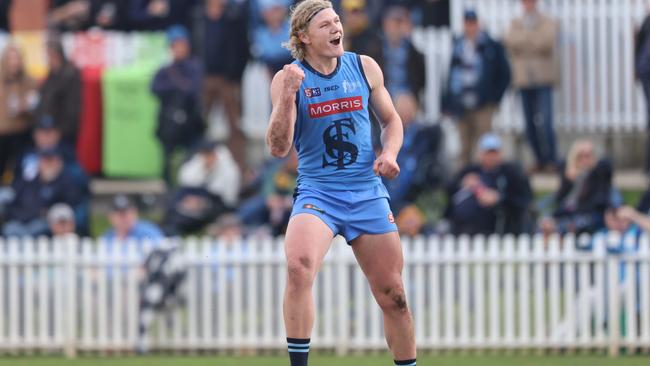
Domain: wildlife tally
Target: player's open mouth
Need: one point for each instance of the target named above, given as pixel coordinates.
(336, 41)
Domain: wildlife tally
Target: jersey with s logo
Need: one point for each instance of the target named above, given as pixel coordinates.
(332, 133)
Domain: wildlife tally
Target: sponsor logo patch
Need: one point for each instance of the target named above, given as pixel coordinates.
(312, 92)
(309, 206)
(391, 218)
(335, 106)
(332, 88)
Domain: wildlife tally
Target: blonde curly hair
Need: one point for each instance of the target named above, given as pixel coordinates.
(301, 15)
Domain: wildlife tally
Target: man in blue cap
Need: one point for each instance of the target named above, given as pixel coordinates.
(178, 87)
(26, 213)
(490, 196)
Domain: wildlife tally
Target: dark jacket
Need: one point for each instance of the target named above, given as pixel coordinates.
(641, 42)
(592, 200)
(225, 43)
(33, 198)
(492, 82)
(61, 99)
(416, 70)
(367, 42)
(178, 88)
(5, 6)
(507, 216)
(180, 12)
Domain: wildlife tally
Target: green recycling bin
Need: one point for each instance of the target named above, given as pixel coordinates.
(130, 146)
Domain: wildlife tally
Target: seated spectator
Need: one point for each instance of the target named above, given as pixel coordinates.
(156, 15)
(18, 98)
(60, 219)
(126, 223)
(46, 136)
(26, 214)
(418, 159)
(209, 185)
(584, 194)
(411, 221)
(273, 204)
(489, 197)
(269, 36)
(60, 93)
(110, 14)
(178, 88)
(69, 15)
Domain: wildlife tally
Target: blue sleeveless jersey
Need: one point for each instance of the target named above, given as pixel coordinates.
(332, 133)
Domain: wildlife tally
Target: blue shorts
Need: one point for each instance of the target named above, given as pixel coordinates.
(349, 213)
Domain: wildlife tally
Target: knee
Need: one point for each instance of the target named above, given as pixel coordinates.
(392, 299)
(300, 272)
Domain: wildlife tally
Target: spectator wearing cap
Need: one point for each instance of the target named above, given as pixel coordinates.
(60, 219)
(126, 224)
(209, 185)
(46, 135)
(585, 192)
(26, 214)
(479, 75)
(403, 65)
(531, 42)
(269, 36)
(225, 55)
(490, 196)
(361, 36)
(178, 88)
(18, 98)
(60, 94)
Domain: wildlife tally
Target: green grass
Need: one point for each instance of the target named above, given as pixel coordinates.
(489, 360)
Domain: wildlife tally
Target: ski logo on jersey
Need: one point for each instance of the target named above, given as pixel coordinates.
(335, 106)
(339, 151)
(312, 92)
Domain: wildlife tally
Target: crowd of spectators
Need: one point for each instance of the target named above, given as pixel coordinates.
(216, 190)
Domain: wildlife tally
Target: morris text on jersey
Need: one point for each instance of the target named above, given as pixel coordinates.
(335, 106)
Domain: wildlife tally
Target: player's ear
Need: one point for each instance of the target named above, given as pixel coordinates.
(304, 37)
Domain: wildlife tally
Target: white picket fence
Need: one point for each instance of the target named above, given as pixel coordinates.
(597, 90)
(480, 293)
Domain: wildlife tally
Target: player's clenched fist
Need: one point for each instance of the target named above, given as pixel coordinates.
(293, 77)
(386, 166)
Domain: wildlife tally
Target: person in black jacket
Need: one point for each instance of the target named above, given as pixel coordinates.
(479, 75)
(225, 54)
(403, 65)
(60, 94)
(491, 196)
(642, 63)
(585, 192)
(27, 213)
(178, 87)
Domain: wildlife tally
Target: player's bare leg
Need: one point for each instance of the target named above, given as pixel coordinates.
(307, 241)
(380, 258)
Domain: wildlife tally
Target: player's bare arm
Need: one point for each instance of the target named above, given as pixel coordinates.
(284, 86)
(392, 132)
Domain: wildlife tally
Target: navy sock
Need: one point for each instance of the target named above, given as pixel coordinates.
(298, 351)
(405, 362)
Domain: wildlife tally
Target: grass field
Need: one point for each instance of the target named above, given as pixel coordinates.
(333, 361)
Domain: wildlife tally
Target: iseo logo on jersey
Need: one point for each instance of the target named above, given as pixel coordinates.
(312, 92)
(332, 88)
(335, 106)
